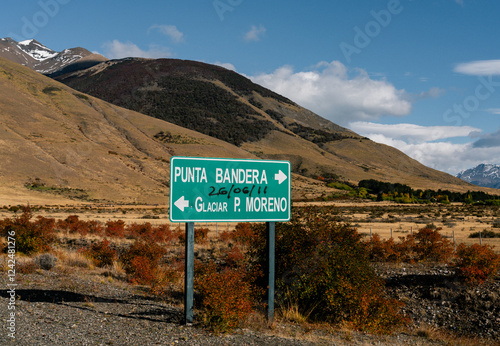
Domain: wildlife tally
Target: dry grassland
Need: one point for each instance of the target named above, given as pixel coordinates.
(456, 221)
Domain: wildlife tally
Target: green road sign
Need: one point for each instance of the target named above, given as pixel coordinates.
(213, 189)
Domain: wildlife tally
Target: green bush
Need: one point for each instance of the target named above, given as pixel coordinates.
(322, 266)
(485, 234)
(340, 186)
(51, 90)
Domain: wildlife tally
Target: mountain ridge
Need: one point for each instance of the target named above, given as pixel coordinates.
(42, 59)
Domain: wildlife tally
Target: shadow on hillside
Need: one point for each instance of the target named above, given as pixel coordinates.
(57, 296)
(150, 311)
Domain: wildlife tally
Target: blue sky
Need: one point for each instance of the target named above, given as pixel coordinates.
(422, 76)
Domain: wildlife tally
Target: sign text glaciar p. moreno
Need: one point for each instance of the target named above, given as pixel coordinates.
(212, 189)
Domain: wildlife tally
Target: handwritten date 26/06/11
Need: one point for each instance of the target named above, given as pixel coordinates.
(247, 190)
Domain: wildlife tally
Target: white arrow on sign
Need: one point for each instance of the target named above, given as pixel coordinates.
(181, 203)
(280, 177)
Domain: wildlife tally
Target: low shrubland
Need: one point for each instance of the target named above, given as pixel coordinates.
(324, 271)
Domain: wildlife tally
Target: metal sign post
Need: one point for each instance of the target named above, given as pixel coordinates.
(270, 227)
(189, 273)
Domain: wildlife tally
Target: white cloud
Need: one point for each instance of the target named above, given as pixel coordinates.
(428, 145)
(170, 31)
(412, 133)
(433, 92)
(493, 110)
(255, 34)
(448, 157)
(460, 2)
(329, 91)
(479, 68)
(118, 50)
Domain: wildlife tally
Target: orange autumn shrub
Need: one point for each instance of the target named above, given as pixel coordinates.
(139, 231)
(162, 233)
(95, 227)
(243, 234)
(234, 257)
(476, 263)
(382, 251)
(426, 245)
(30, 236)
(141, 262)
(73, 224)
(101, 254)
(225, 236)
(147, 232)
(432, 246)
(115, 229)
(200, 236)
(226, 297)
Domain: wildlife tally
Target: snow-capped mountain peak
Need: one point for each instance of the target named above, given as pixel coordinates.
(25, 43)
(36, 50)
(485, 174)
(42, 59)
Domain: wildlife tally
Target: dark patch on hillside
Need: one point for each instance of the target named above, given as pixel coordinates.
(180, 92)
(314, 135)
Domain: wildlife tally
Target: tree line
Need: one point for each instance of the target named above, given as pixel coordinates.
(405, 194)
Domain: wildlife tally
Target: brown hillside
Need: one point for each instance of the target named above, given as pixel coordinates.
(65, 144)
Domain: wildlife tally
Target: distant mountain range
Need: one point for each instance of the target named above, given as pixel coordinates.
(486, 175)
(35, 55)
(76, 140)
